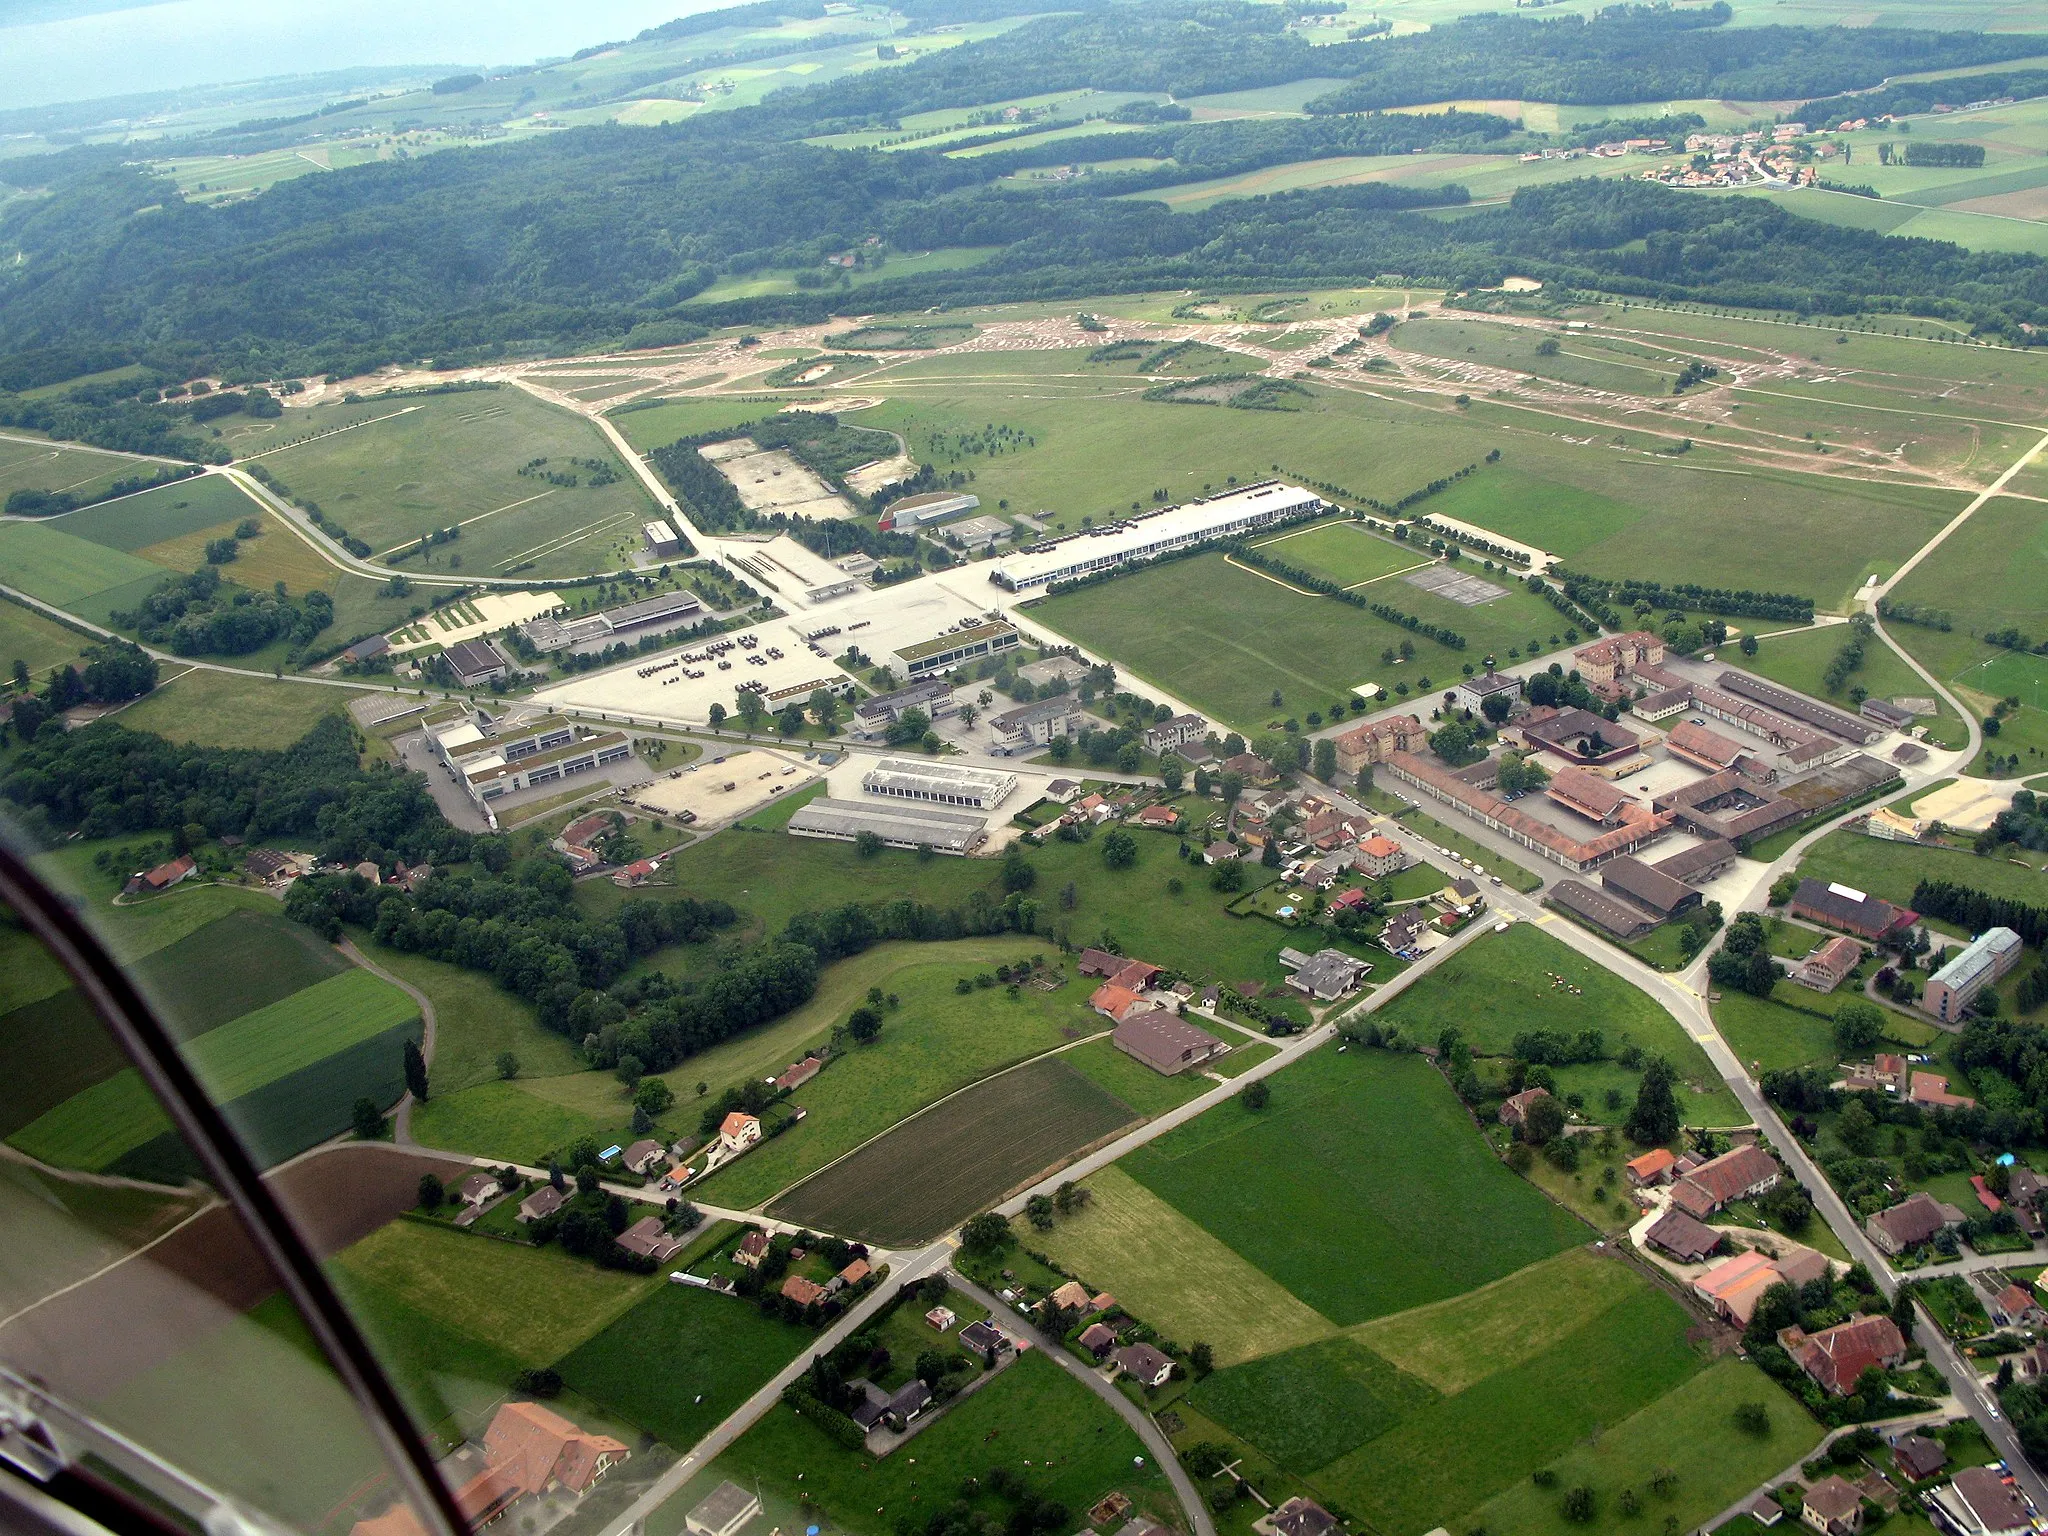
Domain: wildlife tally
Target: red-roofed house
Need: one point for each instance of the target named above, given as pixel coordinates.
(1652, 1167)
(1117, 1003)
(1514, 1110)
(544, 1451)
(738, 1131)
(1739, 1175)
(2015, 1307)
(1380, 856)
(164, 876)
(1837, 1357)
(801, 1291)
(1985, 1198)
(1161, 816)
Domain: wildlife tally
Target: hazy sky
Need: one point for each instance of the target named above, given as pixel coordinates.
(200, 42)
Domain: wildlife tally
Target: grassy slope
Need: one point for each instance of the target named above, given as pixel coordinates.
(1891, 870)
(1499, 986)
(219, 709)
(474, 1021)
(1364, 1155)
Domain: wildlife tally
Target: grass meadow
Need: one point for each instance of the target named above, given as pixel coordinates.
(226, 709)
(1800, 661)
(32, 465)
(1345, 553)
(935, 1171)
(42, 645)
(1361, 1188)
(1503, 984)
(1892, 870)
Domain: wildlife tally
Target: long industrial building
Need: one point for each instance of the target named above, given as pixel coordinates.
(1150, 534)
(553, 633)
(898, 826)
(938, 783)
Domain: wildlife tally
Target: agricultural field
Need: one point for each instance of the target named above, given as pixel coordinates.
(1328, 1191)
(88, 579)
(38, 643)
(1033, 1419)
(1503, 984)
(935, 1042)
(392, 469)
(1175, 1275)
(933, 1172)
(318, 1033)
(30, 464)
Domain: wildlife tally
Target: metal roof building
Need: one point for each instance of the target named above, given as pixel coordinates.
(939, 783)
(1153, 533)
(899, 826)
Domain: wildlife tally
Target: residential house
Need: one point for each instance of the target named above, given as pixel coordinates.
(738, 1131)
(1403, 932)
(1144, 1365)
(1251, 769)
(802, 1291)
(852, 1275)
(1098, 1340)
(725, 1512)
(1062, 791)
(1328, 828)
(1887, 1074)
(797, 1073)
(544, 1201)
(986, 1340)
(1117, 1003)
(1837, 1357)
(646, 1238)
(1170, 735)
(1681, 1238)
(1165, 1042)
(1473, 692)
(2015, 1307)
(1326, 975)
(540, 1451)
(871, 1402)
(1918, 1457)
(1976, 966)
(910, 1401)
(1344, 901)
(1652, 1168)
(1514, 1110)
(1162, 818)
(752, 1249)
(1072, 1297)
(1742, 1174)
(1834, 905)
(1830, 964)
(1832, 1507)
(1930, 1091)
(1379, 857)
(637, 873)
(1298, 1517)
(477, 1189)
(1217, 853)
(643, 1157)
(1981, 1502)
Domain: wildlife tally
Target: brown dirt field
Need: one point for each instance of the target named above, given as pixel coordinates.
(2032, 203)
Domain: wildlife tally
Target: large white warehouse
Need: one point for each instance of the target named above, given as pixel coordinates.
(1152, 533)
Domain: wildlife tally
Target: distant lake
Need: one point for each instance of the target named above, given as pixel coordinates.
(204, 42)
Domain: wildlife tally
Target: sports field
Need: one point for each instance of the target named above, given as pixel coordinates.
(1503, 984)
(1346, 554)
(933, 1172)
(936, 1041)
(1175, 1275)
(1362, 1188)
(94, 1128)
(415, 464)
(1225, 639)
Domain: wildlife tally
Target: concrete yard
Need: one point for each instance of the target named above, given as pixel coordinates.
(1969, 805)
(723, 790)
(773, 480)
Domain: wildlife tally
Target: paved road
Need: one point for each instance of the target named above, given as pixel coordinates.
(1140, 1421)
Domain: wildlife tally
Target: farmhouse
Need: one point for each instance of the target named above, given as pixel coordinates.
(1837, 1357)
(1733, 1289)
(1853, 911)
(905, 778)
(1684, 1239)
(1144, 1365)
(1036, 724)
(1913, 1221)
(164, 876)
(1118, 1003)
(1514, 1110)
(1652, 1168)
(1980, 1502)
(1149, 534)
(1979, 963)
(1165, 1042)
(1738, 1175)
(1831, 961)
(724, 1513)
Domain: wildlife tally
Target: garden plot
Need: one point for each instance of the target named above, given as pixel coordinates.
(774, 480)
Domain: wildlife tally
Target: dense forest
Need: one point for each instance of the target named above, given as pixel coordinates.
(592, 235)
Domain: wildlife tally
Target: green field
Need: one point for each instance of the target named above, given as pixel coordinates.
(30, 465)
(515, 1121)
(1362, 1189)
(227, 709)
(1144, 1089)
(1225, 639)
(682, 1360)
(94, 1128)
(72, 573)
(1033, 1419)
(135, 523)
(648, 427)
(937, 1041)
(1172, 1273)
(1590, 361)
(1346, 554)
(416, 464)
(1500, 985)
(1556, 518)
(935, 1171)
(233, 966)
(42, 645)
(1308, 1406)
(534, 1304)
(1892, 870)
(474, 1020)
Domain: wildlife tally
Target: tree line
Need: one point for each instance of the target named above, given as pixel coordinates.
(1978, 910)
